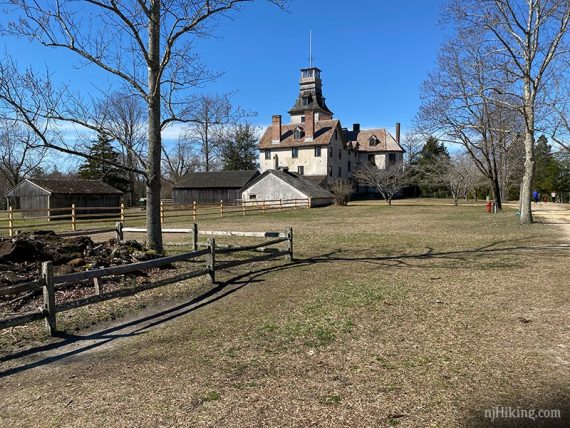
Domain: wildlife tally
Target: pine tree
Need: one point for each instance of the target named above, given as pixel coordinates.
(239, 151)
(99, 164)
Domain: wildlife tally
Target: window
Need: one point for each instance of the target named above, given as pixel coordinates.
(372, 141)
(317, 152)
(302, 119)
(340, 154)
(348, 166)
(330, 152)
(294, 152)
(371, 159)
(267, 154)
(252, 197)
(330, 170)
(392, 158)
(298, 133)
(339, 171)
(301, 170)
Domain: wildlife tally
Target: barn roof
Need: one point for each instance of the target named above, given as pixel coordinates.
(216, 179)
(72, 186)
(308, 188)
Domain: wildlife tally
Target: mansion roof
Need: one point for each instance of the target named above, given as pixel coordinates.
(372, 140)
(324, 131)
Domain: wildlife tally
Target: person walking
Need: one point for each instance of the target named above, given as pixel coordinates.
(553, 196)
(535, 196)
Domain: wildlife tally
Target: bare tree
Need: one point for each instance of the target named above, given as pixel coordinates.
(122, 115)
(412, 144)
(145, 45)
(471, 105)
(208, 117)
(388, 181)
(529, 39)
(179, 160)
(342, 189)
(19, 154)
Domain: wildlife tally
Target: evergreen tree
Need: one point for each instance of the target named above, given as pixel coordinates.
(546, 168)
(239, 150)
(432, 158)
(98, 165)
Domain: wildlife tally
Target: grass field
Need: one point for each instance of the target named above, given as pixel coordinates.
(419, 314)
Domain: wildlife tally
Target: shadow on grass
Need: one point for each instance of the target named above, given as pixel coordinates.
(81, 343)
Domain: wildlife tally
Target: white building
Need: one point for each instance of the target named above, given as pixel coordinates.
(315, 145)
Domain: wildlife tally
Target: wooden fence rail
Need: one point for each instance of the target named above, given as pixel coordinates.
(49, 283)
(77, 217)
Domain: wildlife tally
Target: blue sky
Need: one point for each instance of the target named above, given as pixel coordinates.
(373, 54)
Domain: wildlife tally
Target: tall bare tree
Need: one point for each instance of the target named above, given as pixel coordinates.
(123, 116)
(19, 154)
(529, 38)
(144, 44)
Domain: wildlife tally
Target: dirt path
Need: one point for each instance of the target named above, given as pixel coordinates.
(555, 214)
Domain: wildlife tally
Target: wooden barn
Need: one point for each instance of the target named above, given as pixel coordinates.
(40, 195)
(211, 187)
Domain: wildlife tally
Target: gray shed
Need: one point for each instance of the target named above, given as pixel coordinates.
(211, 187)
(40, 195)
(273, 185)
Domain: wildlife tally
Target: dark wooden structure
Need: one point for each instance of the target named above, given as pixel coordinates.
(211, 187)
(35, 197)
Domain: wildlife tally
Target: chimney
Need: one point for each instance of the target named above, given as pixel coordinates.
(398, 132)
(356, 127)
(309, 125)
(276, 128)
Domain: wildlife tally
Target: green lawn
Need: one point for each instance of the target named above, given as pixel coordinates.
(419, 314)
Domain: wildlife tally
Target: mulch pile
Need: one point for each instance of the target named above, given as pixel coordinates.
(21, 258)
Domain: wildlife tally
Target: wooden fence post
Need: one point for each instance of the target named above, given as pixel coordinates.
(243, 209)
(221, 208)
(73, 218)
(49, 298)
(97, 285)
(194, 210)
(263, 206)
(194, 237)
(119, 231)
(123, 213)
(11, 221)
(211, 260)
(161, 212)
(289, 232)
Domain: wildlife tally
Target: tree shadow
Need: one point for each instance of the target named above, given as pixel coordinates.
(83, 343)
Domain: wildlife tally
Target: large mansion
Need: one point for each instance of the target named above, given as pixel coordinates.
(317, 146)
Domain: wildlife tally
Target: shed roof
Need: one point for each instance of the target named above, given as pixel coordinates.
(216, 179)
(297, 181)
(72, 186)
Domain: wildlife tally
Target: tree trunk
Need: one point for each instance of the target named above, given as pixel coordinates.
(154, 231)
(525, 206)
(497, 193)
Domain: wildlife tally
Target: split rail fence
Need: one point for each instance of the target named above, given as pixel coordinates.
(13, 221)
(49, 283)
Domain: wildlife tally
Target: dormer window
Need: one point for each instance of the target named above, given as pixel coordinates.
(372, 141)
(298, 133)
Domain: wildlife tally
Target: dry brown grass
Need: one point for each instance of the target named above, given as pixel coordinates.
(411, 315)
